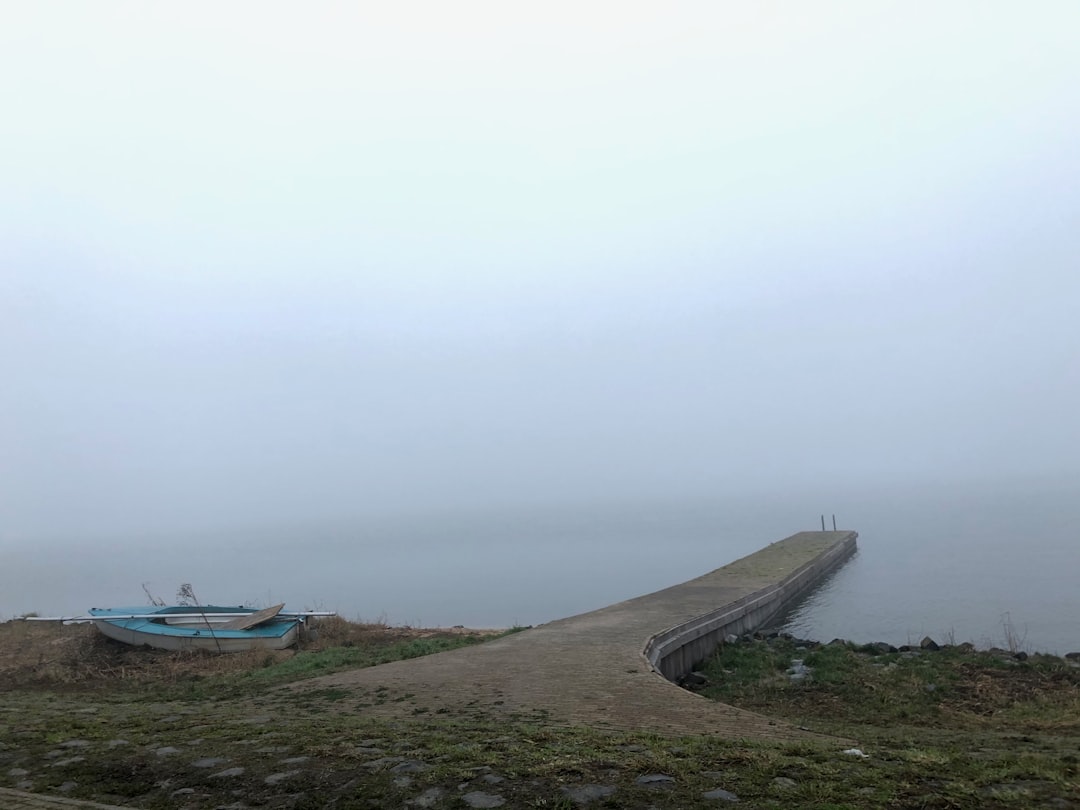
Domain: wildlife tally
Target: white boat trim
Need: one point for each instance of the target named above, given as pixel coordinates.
(180, 618)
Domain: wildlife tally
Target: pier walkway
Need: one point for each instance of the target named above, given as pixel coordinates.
(591, 669)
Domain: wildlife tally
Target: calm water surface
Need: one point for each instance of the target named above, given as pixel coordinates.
(979, 566)
(960, 563)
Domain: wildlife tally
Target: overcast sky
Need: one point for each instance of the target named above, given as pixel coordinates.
(270, 262)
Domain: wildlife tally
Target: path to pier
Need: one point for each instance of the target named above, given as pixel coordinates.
(588, 669)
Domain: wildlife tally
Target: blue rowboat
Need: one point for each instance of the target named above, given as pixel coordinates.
(211, 627)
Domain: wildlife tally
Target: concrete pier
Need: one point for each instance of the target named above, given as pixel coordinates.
(611, 668)
(674, 651)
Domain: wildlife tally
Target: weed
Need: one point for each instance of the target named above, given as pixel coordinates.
(993, 732)
(1014, 640)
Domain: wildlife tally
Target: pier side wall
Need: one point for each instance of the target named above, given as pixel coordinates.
(674, 652)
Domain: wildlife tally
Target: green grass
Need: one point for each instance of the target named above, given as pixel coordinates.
(852, 688)
(953, 728)
(324, 662)
(989, 735)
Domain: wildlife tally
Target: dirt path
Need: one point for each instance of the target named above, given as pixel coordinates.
(588, 669)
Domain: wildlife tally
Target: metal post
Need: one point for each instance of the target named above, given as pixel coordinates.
(834, 523)
(823, 523)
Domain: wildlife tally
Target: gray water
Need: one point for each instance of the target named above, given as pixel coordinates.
(960, 563)
(997, 567)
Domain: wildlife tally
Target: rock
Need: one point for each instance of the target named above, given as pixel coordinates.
(209, 762)
(477, 798)
(1021, 656)
(655, 780)
(294, 760)
(68, 786)
(275, 778)
(197, 742)
(117, 743)
(429, 798)
(837, 642)
(60, 763)
(492, 779)
(855, 752)
(410, 766)
(1073, 656)
(182, 792)
(587, 793)
(25, 784)
(363, 749)
(784, 783)
(720, 795)
(166, 751)
(929, 644)
(731, 638)
(403, 781)
(17, 772)
(695, 679)
(1059, 803)
(1014, 790)
(798, 670)
(882, 648)
(228, 772)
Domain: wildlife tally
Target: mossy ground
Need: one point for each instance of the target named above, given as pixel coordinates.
(989, 734)
(954, 727)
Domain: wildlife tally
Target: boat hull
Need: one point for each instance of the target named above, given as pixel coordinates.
(196, 640)
(167, 631)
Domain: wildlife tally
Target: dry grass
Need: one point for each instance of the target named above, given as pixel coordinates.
(52, 654)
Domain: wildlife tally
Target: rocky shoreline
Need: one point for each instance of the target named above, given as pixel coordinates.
(696, 680)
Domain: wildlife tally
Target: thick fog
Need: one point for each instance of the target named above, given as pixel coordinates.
(264, 264)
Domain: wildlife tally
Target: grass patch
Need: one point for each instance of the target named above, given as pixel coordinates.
(990, 734)
(852, 688)
(324, 662)
(950, 728)
(78, 657)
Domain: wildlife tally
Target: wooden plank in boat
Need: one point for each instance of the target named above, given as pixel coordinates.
(250, 620)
